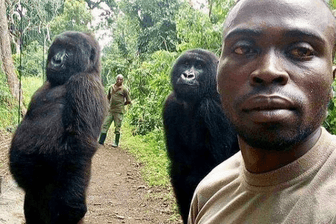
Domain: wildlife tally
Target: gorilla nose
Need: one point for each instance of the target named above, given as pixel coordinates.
(188, 75)
(58, 58)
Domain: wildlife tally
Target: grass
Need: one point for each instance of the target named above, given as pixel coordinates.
(29, 85)
(8, 107)
(150, 151)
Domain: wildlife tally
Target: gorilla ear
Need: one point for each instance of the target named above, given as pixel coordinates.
(334, 71)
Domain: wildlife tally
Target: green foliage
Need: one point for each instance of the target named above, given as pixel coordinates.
(195, 30)
(9, 113)
(155, 21)
(220, 9)
(150, 151)
(113, 67)
(121, 55)
(150, 85)
(8, 108)
(330, 121)
(31, 60)
(31, 17)
(29, 86)
(76, 16)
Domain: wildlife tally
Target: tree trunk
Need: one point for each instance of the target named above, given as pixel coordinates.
(210, 2)
(6, 57)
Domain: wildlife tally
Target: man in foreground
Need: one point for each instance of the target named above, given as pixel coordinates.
(274, 77)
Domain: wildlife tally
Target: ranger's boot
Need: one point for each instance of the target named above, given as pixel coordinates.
(102, 138)
(116, 142)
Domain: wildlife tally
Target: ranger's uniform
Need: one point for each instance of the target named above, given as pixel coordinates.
(118, 97)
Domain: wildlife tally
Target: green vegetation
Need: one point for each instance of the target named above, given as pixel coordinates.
(150, 151)
(8, 109)
(29, 86)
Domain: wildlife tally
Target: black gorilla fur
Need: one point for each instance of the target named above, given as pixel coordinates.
(52, 148)
(198, 135)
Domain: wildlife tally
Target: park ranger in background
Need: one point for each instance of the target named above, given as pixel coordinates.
(118, 96)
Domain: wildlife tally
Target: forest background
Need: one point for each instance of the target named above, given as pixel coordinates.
(145, 38)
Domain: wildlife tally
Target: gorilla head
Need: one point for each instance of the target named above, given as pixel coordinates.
(72, 53)
(194, 75)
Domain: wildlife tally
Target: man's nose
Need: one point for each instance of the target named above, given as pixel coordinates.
(269, 70)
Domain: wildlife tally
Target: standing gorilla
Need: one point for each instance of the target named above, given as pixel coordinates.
(51, 151)
(198, 135)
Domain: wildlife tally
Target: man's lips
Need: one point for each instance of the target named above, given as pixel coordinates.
(267, 102)
(268, 108)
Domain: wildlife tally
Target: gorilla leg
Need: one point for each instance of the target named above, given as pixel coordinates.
(69, 212)
(31, 209)
(68, 204)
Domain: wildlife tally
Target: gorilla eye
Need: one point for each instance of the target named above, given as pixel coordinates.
(199, 66)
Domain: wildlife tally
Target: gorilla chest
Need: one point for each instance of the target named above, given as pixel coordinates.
(192, 129)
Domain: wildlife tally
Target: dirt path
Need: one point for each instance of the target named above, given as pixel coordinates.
(117, 192)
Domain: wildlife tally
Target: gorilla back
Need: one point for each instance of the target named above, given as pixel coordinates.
(198, 135)
(52, 148)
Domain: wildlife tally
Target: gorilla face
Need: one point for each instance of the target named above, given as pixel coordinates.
(193, 74)
(70, 54)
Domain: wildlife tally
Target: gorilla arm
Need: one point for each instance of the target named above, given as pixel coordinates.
(83, 113)
(171, 123)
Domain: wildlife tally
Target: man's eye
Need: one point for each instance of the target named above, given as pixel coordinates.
(302, 52)
(243, 50)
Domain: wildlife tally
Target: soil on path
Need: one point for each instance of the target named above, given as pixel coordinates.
(117, 192)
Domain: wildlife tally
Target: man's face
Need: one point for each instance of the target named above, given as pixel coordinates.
(275, 71)
(119, 80)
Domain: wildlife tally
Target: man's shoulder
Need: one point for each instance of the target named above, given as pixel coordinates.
(110, 88)
(328, 145)
(125, 88)
(332, 137)
(327, 140)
